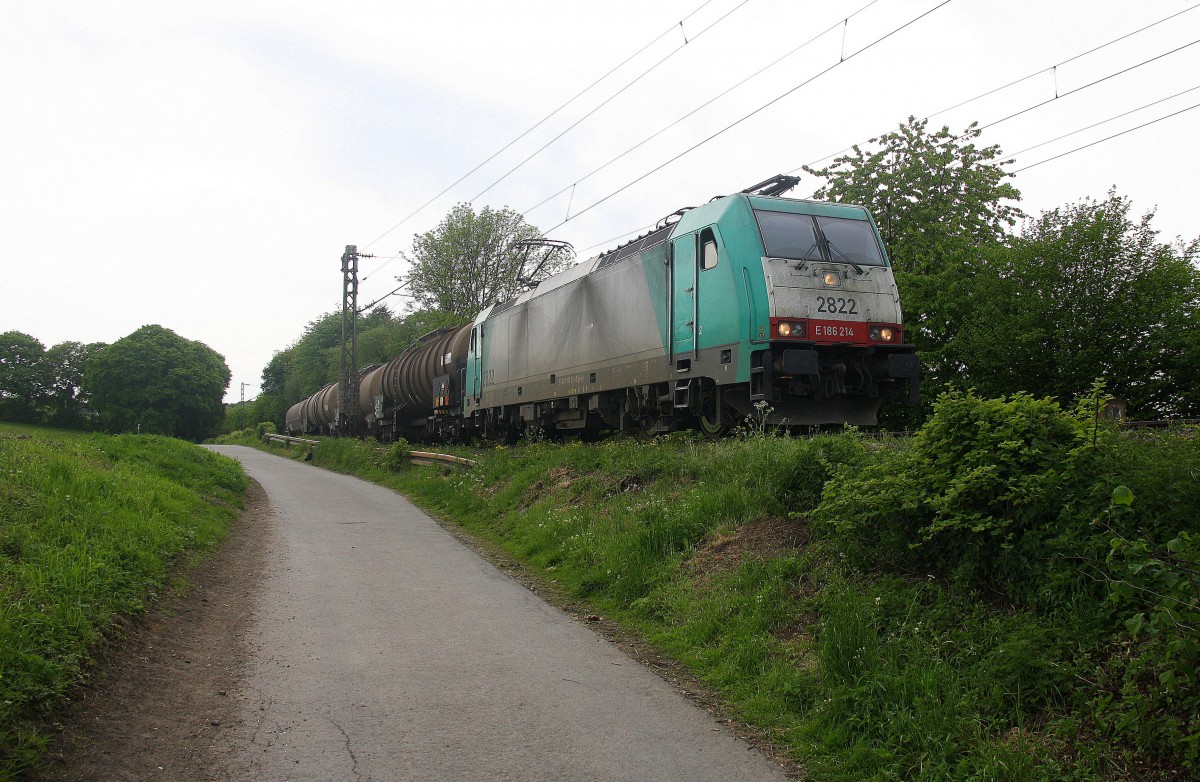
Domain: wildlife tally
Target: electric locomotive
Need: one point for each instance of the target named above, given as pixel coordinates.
(750, 304)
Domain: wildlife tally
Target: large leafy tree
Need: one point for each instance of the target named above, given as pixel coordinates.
(1088, 292)
(24, 379)
(66, 363)
(156, 381)
(941, 201)
(472, 260)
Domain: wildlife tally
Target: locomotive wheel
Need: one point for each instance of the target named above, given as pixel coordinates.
(711, 427)
(646, 427)
(715, 418)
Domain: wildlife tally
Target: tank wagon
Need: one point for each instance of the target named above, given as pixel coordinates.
(414, 395)
(751, 304)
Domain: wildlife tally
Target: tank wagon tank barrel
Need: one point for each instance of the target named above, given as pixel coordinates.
(408, 380)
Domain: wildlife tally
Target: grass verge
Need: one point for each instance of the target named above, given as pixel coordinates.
(90, 528)
(860, 661)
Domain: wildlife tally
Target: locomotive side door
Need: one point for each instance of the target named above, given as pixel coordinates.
(683, 295)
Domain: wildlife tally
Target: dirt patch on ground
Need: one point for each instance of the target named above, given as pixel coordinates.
(758, 540)
(167, 693)
(558, 479)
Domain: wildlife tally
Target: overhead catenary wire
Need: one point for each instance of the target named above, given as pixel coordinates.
(612, 97)
(615, 238)
(395, 291)
(537, 124)
(1089, 84)
(1103, 121)
(842, 23)
(1109, 138)
(386, 261)
(1012, 83)
(1058, 94)
(761, 108)
(998, 89)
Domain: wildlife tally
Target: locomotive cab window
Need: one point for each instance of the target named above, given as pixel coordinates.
(816, 238)
(788, 235)
(850, 241)
(708, 250)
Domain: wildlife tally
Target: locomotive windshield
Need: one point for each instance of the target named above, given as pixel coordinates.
(814, 238)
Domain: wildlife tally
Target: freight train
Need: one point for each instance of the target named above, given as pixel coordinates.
(750, 305)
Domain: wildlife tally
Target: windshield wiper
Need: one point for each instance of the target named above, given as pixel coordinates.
(834, 254)
(813, 253)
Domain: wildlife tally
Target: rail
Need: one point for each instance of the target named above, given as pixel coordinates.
(283, 438)
(425, 457)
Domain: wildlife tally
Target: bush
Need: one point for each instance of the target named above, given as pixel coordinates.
(973, 498)
(265, 428)
(1156, 582)
(1019, 499)
(396, 457)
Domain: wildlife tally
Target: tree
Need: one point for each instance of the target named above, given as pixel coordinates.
(1088, 292)
(23, 377)
(66, 363)
(471, 261)
(940, 202)
(155, 381)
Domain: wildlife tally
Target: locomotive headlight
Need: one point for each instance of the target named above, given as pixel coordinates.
(882, 334)
(832, 279)
(793, 329)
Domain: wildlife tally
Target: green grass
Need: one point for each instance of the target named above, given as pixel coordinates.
(90, 528)
(860, 673)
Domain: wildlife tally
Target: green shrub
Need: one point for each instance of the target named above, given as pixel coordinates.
(1021, 500)
(266, 427)
(396, 457)
(974, 497)
(1158, 583)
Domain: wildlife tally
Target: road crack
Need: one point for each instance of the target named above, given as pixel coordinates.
(349, 748)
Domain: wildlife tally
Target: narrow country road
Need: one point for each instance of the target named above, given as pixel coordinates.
(384, 649)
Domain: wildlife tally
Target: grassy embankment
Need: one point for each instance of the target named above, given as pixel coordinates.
(952, 607)
(91, 529)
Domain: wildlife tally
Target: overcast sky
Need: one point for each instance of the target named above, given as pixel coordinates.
(202, 165)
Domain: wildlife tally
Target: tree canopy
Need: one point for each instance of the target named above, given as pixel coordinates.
(1087, 292)
(155, 381)
(66, 395)
(938, 199)
(472, 260)
(42, 386)
(23, 376)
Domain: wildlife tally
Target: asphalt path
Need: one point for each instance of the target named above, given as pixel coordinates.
(385, 649)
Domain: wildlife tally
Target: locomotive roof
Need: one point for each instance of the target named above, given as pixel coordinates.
(690, 218)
